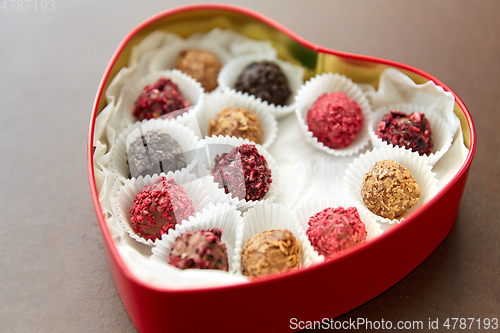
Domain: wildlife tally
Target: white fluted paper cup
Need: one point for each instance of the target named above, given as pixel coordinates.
(294, 74)
(222, 216)
(187, 140)
(218, 145)
(305, 212)
(441, 132)
(217, 101)
(266, 216)
(124, 200)
(328, 83)
(419, 168)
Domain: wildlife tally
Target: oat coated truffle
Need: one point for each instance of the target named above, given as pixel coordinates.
(238, 122)
(202, 65)
(389, 189)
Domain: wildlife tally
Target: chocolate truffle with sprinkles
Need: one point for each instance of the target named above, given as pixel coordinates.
(243, 172)
(159, 98)
(158, 207)
(153, 153)
(202, 249)
(202, 65)
(238, 122)
(406, 131)
(265, 80)
(334, 230)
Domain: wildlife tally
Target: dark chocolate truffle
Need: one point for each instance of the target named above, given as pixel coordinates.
(158, 99)
(153, 153)
(265, 80)
(389, 189)
(335, 119)
(238, 122)
(158, 207)
(243, 172)
(334, 230)
(270, 251)
(202, 249)
(410, 132)
(202, 65)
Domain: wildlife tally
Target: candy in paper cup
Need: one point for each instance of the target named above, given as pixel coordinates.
(294, 74)
(223, 216)
(267, 216)
(219, 145)
(120, 163)
(124, 200)
(305, 212)
(328, 83)
(421, 171)
(441, 132)
(217, 101)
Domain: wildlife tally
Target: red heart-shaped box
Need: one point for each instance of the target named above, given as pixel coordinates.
(324, 290)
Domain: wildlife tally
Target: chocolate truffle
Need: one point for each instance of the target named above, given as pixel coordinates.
(335, 119)
(238, 122)
(265, 80)
(270, 251)
(410, 132)
(334, 230)
(153, 153)
(157, 99)
(389, 189)
(158, 207)
(202, 65)
(243, 172)
(202, 249)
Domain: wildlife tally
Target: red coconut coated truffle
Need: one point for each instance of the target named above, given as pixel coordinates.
(158, 207)
(202, 249)
(159, 99)
(335, 119)
(333, 230)
(243, 172)
(410, 132)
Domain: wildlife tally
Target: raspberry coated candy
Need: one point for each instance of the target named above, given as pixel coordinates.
(334, 230)
(335, 119)
(410, 132)
(158, 99)
(158, 207)
(243, 172)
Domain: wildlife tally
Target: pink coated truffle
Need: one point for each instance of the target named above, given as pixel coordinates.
(334, 230)
(335, 120)
(158, 207)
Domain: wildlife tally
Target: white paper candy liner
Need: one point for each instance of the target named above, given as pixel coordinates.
(294, 74)
(266, 216)
(308, 210)
(222, 216)
(124, 200)
(224, 144)
(328, 83)
(418, 166)
(185, 137)
(217, 101)
(191, 91)
(441, 131)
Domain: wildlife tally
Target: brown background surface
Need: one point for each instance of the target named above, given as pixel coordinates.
(54, 276)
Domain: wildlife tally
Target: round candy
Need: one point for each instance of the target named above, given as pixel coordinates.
(265, 80)
(334, 230)
(158, 207)
(243, 172)
(335, 120)
(238, 122)
(158, 99)
(270, 251)
(389, 189)
(201, 65)
(153, 153)
(202, 249)
(411, 132)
